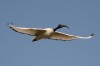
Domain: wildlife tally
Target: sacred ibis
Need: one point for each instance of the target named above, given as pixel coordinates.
(47, 33)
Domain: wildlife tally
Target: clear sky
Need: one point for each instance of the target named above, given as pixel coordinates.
(82, 16)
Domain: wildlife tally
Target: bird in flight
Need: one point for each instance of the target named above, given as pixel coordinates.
(47, 33)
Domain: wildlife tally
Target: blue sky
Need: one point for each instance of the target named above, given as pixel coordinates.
(82, 16)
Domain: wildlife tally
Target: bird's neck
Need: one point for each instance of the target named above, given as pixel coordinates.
(56, 28)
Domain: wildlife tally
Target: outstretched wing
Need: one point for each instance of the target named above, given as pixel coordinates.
(29, 31)
(61, 36)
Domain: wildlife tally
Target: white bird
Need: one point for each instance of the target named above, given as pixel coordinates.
(47, 33)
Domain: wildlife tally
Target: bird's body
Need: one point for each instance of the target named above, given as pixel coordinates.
(47, 33)
(44, 35)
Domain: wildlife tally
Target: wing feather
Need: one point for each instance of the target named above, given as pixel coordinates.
(28, 31)
(66, 37)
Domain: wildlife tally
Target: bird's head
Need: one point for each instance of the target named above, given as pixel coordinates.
(61, 26)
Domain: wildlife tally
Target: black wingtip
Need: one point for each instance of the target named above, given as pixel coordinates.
(92, 34)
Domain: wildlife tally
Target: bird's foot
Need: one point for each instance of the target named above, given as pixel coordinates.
(34, 40)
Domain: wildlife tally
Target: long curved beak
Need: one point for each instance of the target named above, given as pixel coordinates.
(66, 26)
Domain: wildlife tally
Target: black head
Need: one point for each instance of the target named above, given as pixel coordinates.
(61, 26)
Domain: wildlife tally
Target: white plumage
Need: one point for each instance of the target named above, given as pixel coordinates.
(47, 33)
